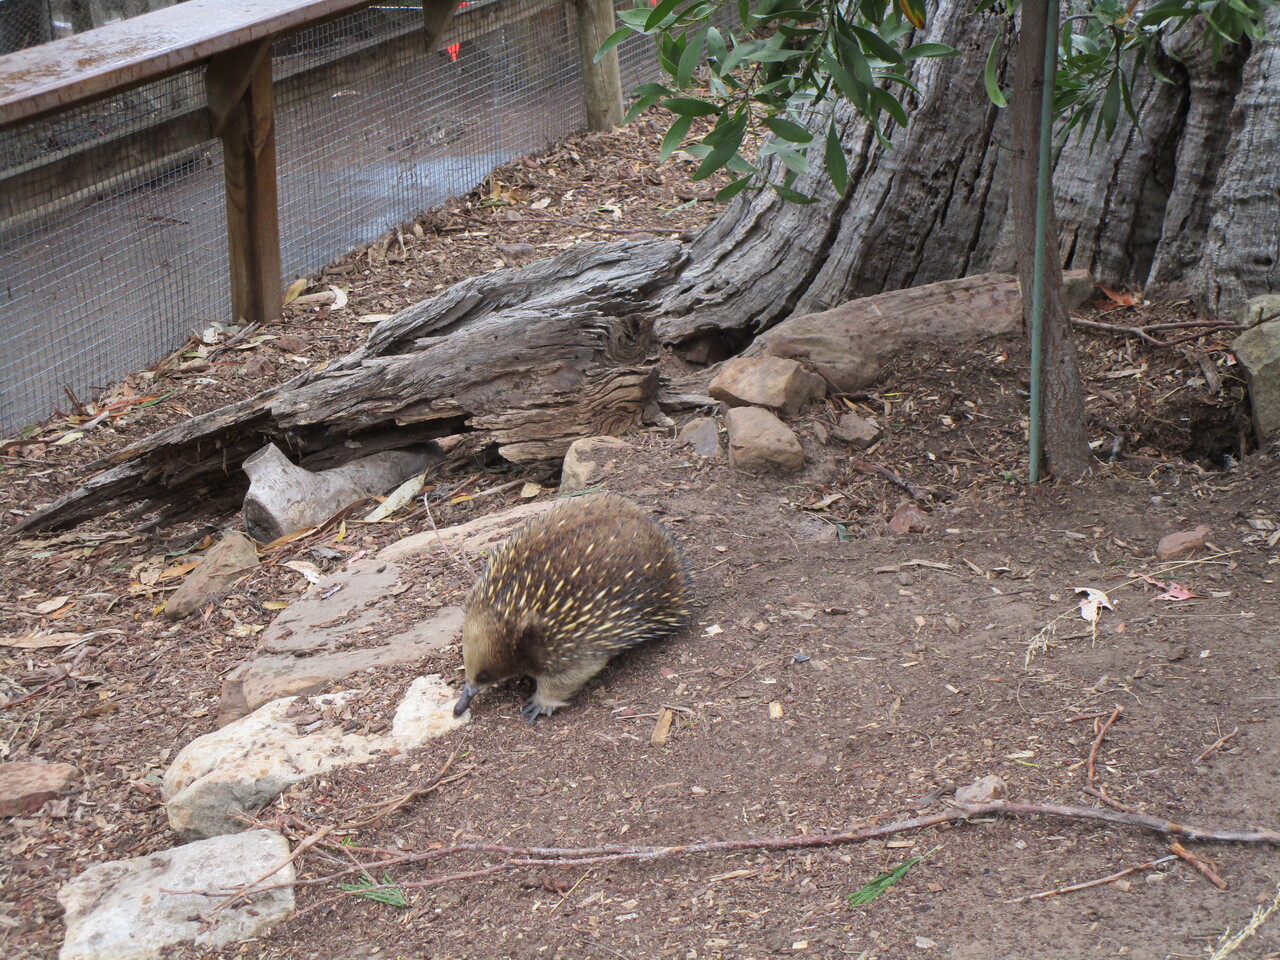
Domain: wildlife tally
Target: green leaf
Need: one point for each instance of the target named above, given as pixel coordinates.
(920, 50)
(836, 162)
(690, 59)
(793, 196)
(660, 13)
(874, 45)
(879, 884)
(690, 106)
(791, 159)
(788, 130)
(723, 149)
(716, 48)
(635, 18)
(675, 136)
(852, 58)
(615, 38)
(392, 896)
(733, 189)
(989, 76)
(1111, 105)
(887, 102)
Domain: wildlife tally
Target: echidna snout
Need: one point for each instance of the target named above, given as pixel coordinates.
(569, 590)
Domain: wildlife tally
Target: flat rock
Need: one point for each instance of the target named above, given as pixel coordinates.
(857, 431)
(761, 443)
(1077, 288)
(337, 629)
(774, 382)
(703, 434)
(850, 344)
(474, 537)
(1184, 541)
(225, 562)
(237, 769)
(124, 910)
(588, 461)
(1258, 350)
(24, 787)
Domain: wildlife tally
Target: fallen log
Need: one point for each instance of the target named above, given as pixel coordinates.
(518, 363)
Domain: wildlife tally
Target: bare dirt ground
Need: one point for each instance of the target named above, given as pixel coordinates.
(835, 676)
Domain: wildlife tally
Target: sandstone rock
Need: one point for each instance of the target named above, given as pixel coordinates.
(24, 787)
(1258, 309)
(850, 344)
(336, 629)
(225, 562)
(588, 462)
(474, 537)
(1184, 541)
(982, 791)
(854, 430)
(239, 768)
(123, 910)
(1258, 351)
(773, 382)
(761, 443)
(908, 518)
(703, 434)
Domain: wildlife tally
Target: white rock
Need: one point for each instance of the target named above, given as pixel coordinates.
(473, 537)
(588, 461)
(239, 768)
(121, 911)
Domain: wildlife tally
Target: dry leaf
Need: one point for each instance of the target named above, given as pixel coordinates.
(1093, 600)
(43, 641)
(295, 290)
(51, 605)
(541, 204)
(1176, 592)
(307, 569)
(374, 317)
(178, 570)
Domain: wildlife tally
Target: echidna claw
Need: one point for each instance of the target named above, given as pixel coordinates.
(531, 711)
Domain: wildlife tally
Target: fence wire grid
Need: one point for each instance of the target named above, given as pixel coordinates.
(104, 275)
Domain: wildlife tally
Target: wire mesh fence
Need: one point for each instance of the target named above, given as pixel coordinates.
(113, 247)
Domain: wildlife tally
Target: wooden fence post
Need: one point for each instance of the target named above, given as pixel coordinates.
(602, 81)
(241, 110)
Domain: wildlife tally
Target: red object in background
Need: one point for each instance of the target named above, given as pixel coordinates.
(454, 48)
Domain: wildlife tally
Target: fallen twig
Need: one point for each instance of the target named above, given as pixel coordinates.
(1151, 865)
(516, 858)
(875, 470)
(1210, 874)
(1214, 746)
(1092, 787)
(1202, 326)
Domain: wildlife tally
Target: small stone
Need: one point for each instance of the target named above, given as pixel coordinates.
(773, 382)
(24, 787)
(1176, 544)
(703, 434)
(1077, 288)
(982, 791)
(908, 518)
(291, 343)
(585, 463)
(855, 430)
(257, 366)
(131, 909)
(226, 562)
(761, 443)
(516, 251)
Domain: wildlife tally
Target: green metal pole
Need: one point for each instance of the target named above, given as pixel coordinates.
(1043, 187)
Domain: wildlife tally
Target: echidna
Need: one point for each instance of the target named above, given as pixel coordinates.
(569, 589)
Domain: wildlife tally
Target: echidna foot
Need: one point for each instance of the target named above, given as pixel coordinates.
(531, 711)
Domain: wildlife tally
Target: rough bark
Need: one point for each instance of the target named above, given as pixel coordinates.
(1066, 439)
(1241, 256)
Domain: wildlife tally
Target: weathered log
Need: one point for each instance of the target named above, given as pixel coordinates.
(519, 362)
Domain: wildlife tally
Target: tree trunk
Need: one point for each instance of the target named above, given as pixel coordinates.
(1066, 438)
(1241, 257)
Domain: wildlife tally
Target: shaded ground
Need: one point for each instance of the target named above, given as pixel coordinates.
(895, 680)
